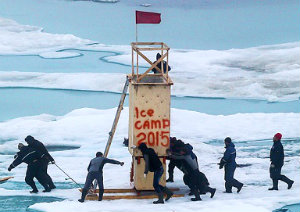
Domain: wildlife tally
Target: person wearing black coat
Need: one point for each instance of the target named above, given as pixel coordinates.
(277, 160)
(45, 157)
(228, 161)
(31, 157)
(153, 164)
(159, 65)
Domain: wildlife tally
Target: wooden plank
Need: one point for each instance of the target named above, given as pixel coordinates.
(116, 120)
(116, 197)
(3, 180)
(152, 49)
(149, 69)
(146, 43)
(126, 190)
(149, 61)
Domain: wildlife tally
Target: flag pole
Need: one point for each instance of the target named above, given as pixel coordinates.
(136, 34)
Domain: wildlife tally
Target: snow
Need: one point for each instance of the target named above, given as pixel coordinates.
(88, 128)
(264, 72)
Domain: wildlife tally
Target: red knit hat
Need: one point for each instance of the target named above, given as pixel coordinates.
(278, 136)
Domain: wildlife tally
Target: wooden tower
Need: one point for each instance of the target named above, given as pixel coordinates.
(149, 111)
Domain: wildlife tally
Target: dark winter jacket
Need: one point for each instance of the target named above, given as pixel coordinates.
(228, 160)
(96, 164)
(152, 162)
(27, 155)
(277, 154)
(41, 149)
(159, 66)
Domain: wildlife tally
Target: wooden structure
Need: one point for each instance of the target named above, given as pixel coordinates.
(149, 121)
(149, 111)
(3, 180)
(115, 194)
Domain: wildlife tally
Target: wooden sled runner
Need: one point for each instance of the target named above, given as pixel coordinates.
(3, 180)
(127, 194)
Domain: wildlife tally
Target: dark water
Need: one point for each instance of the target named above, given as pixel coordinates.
(19, 102)
(21, 203)
(289, 208)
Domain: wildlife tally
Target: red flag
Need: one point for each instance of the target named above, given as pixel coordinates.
(142, 17)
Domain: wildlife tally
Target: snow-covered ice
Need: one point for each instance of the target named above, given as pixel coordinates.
(88, 128)
(264, 72)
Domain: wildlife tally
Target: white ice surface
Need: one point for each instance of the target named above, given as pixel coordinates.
(89, 129)
(264, 72)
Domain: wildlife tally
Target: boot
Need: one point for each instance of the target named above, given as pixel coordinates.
(84, 193)
(34, 191)
(197, 196)
(100, 194)
(52, 186)
(240, 187)
(212, 191)
(168, 192)
(290, 184)
(228, 187)
(275, 185)
(47, 190)
(160, 198)
(287, 181)
(170, 179)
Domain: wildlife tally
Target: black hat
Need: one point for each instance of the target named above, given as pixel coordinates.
(99, 154)
(228, 140)
(29, 138)
(143, 147)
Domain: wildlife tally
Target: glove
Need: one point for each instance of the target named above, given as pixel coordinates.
(145, 176)
(122, 163)
(53, 162)
(9, 168)
(272, 166)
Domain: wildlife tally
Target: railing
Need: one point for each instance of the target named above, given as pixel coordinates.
(138, 47)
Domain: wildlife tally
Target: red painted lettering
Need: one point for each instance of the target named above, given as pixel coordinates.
(150, 112)
(138, 125)
(146, 125)
(143, 114)
(166, 123)
(151, 139)
(143, 138)
(165, 136)
(155, 124)
(136, 112)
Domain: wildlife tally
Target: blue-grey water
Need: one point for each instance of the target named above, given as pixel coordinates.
(19, 102)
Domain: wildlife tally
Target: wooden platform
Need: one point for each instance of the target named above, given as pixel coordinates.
(128, 194)
(3, 180)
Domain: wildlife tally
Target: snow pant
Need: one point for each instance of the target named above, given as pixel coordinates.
(157, 175)
(275, 175)
(171, 167)
(229, 178)
(44, 167)
(34, 170)
(173, 163)
(88, 182)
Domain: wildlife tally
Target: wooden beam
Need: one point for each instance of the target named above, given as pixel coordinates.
(115, 197)
(149, 69)
(126, 190)
(149, 61)
(152, 49)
